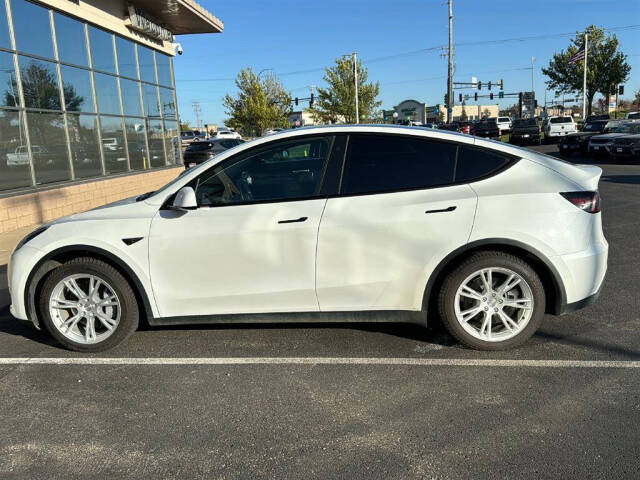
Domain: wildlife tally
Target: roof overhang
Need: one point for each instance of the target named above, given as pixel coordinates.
(180, 16)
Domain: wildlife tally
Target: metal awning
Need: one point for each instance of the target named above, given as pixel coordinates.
(181, 16)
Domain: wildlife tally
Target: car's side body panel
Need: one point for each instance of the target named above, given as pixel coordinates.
(375, 251)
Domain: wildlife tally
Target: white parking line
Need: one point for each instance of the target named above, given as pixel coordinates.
(426, 362)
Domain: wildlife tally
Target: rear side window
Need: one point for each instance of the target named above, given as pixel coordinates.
(385, 163)
(474, 163)
(561, 120)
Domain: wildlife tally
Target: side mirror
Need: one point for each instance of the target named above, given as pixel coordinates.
(185, 200)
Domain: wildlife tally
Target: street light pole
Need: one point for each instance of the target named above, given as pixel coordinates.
(355, 76)
(584, 80)
(450, 67)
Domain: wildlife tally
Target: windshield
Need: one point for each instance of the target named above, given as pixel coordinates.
(561, 120)
(525, 122)
(628, 128)
(594, 127)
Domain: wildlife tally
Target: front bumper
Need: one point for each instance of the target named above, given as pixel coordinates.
(20, 266)
(625, 151)
(600, 148)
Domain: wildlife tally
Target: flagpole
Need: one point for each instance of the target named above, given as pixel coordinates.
(584, 81)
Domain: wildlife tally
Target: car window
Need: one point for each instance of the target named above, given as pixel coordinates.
(561, 120)
(594, 127)
(385, 163)
(288, 170)
(474, 163)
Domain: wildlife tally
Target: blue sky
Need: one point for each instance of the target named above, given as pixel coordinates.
(290, 36)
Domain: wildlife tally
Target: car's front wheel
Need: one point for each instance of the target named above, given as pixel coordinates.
(492, 301)
(87, 305)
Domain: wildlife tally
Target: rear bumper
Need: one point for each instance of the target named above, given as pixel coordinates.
(583, 274)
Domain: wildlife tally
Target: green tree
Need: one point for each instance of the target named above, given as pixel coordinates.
(606, 66)
(185, 127)
(636, 99)
(463, 115)
(336, 103)
(486, 113)
(260, 104)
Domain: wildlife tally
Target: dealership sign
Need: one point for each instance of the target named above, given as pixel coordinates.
(142, 22)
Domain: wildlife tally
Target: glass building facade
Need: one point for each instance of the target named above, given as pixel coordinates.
(78, 102)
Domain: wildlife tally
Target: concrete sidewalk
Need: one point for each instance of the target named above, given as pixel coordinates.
(8, 242)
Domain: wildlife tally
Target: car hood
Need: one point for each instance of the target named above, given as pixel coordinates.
(122, 209)
(608, 135)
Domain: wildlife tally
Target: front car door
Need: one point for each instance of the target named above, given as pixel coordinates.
(250, 245)
(402, 207)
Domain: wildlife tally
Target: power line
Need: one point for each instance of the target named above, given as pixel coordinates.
(431, 49)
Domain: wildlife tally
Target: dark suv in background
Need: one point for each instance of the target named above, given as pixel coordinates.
(198, 152)
(487, 128)
(525, 131)
(579, 142)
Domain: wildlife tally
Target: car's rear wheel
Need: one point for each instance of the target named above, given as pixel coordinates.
(492, 301)
(88, 306)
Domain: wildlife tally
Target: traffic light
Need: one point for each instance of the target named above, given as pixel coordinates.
(475, 96)
(460, 97)
(501, 84)
(620, 89)
(535, 104)
(296, 100)
(489, 85)
(491, 96)
(311, 100)
(446, 99)
(479, 85)
(520, 97)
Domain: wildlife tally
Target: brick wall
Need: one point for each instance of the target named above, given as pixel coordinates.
(32, 209)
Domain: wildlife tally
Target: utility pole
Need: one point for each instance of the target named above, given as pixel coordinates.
(450, 67)
(196, 112)
(355, 76)
(584, 80)
(533, 62)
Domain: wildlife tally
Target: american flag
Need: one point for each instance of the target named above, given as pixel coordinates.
(579, 55)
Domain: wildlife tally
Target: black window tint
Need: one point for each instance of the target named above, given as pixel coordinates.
(474, 163)
(286, 171)
(384, 163)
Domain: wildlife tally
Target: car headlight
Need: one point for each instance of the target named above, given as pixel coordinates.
(31, 236)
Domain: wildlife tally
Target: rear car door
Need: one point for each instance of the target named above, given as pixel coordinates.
(398, 213)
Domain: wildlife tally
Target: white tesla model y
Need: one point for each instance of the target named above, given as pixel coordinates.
(332, 219)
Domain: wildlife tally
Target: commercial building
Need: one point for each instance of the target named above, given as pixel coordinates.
(302, 118)
(415, 111)
(88, 110)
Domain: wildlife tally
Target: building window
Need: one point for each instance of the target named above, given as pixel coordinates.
(39, 84)
(102, 57)
(71, 40)
(85, 150)
(76, 87)
(77, 81)
(48, 147)
(32, 28)
(15, 171)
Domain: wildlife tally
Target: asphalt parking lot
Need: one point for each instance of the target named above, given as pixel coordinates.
(290, 401)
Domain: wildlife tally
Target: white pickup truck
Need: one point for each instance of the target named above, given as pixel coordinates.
(21, 155)
(555, 127)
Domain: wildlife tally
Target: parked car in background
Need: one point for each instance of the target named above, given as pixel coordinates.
(626, 147)
(556, 127)
(593, 118)
(461, 127)
(198, 152)
(229, 133)
(633, 116)
(188, 137)
(525, 131)
(504, 125)
(21, 155)
(579, 142)
(328, 219)
(486, 128)
(602, 145)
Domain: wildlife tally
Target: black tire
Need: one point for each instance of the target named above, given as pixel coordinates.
(477, 262)
(129, 306)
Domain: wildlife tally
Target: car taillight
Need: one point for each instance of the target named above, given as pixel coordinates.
(587, 201)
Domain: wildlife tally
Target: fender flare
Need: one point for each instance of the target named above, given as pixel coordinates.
(48, 263)
(558, 284)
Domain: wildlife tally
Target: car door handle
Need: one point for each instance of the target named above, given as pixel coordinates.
(448, 209)
(295, 220)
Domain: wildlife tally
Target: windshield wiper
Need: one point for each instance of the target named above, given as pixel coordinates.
(144, 196)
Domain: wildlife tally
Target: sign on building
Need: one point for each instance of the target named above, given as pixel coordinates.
(139, 20)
